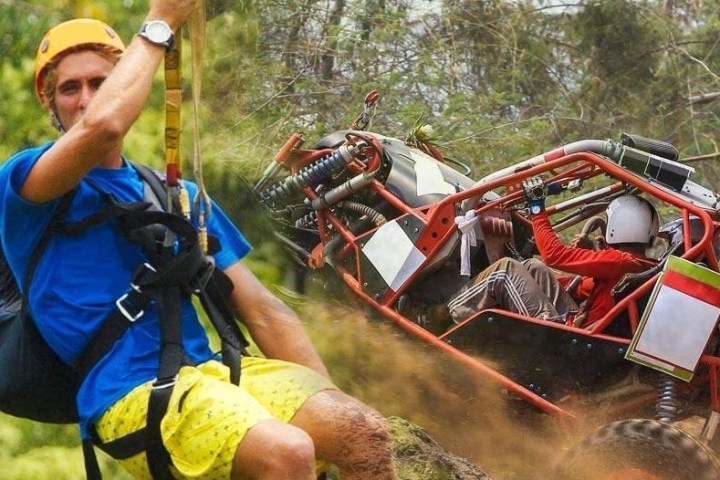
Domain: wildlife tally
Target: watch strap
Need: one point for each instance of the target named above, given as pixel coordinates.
(167, 43)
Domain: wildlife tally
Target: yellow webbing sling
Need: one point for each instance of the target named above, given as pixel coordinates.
(173, 103)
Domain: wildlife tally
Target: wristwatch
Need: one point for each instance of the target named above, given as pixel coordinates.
(535, 209)
(158, 33)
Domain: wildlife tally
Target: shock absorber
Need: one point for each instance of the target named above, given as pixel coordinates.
(310, 176)
(666, 406)
(308, 222)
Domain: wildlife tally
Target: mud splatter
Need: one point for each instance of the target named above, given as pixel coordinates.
(466, 414)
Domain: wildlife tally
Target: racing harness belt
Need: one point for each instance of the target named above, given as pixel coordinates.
(176, 267)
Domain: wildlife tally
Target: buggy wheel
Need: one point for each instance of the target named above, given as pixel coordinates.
(639, 450)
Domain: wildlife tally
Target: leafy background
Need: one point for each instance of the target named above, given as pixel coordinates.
(499, 81)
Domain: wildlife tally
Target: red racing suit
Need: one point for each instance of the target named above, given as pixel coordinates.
(600, 269)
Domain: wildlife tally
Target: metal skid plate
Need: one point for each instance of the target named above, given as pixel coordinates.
(388, 255)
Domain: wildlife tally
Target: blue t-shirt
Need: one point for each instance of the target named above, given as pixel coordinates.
(80, 277)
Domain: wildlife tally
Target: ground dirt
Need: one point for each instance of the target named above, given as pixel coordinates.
(420, 457)
(443, 412)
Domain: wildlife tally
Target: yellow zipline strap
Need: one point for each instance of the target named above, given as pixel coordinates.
(173, 101)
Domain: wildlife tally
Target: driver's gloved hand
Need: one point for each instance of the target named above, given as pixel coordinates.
(535, 192)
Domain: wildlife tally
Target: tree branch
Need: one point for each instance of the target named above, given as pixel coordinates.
(703, 98)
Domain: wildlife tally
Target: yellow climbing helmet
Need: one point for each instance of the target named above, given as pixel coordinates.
(72, 34)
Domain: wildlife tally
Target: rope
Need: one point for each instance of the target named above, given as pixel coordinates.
(201, 202)
(173, 101)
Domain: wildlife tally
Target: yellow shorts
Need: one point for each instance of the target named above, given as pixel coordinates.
(208, 416)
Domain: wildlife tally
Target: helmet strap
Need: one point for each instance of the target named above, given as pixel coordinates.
(56, 122)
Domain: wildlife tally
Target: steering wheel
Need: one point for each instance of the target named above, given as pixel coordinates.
(583, 239)
(594, 223)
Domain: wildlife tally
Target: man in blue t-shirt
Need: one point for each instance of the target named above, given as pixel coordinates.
(286, 413)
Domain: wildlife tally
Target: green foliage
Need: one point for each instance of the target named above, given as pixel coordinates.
(30, 451)
(23, 122)
(269, 262)
(22, 25)
(61, 463)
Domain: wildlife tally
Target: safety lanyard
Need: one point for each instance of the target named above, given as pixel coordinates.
(201, 205)
(173, 100)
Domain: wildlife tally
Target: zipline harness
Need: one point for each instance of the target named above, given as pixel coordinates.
(178, 266)
(37, 384)
(165, 278)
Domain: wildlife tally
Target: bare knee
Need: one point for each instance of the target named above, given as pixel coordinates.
(294, 451)
(274, 450)
(365, 427)
(375, 427)
(349, 434)
(368, 450)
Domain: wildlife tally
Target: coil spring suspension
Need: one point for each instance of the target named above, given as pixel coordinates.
(308, 222)
(666, 406)
(310, 176)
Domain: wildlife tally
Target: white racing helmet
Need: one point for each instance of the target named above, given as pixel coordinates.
(631, 219)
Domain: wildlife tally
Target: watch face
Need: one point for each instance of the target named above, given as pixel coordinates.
(534, 209)
(158, 32)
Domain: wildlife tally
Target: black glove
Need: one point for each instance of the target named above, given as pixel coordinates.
(535, 192)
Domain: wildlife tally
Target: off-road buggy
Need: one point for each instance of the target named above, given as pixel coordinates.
(395, 221)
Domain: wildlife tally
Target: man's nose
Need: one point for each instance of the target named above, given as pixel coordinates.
(86, 94)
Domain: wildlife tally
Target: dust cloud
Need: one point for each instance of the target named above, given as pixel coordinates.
(468, 415)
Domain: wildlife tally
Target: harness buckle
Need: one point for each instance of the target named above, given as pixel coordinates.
(131, 317)
(139, 277)
(160, 384)
(203, 275)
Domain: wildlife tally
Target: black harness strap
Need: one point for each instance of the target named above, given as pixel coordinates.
(214, 299)
(234, 345)
(176, 267)
(92, 468)
(214, 296)
(182, 269)
(124, 447)
(55, 224)
(113, 211)
(172, 357)
(174, 270)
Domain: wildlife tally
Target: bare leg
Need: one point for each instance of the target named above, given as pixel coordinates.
(273, 450)
(348, 434)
